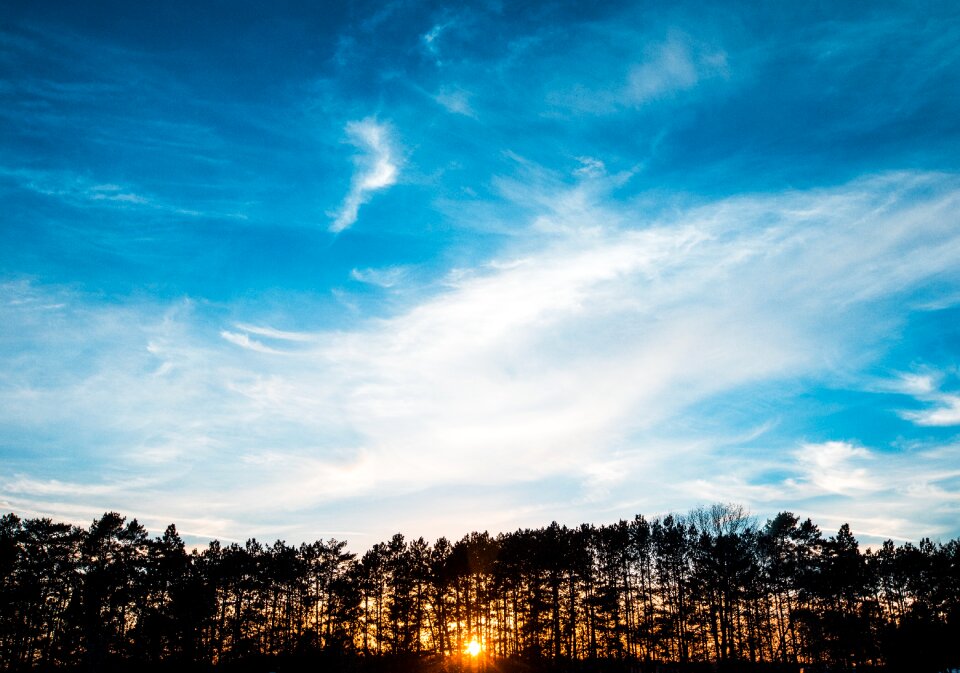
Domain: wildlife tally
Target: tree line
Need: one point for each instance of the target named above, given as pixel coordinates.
(711, 586)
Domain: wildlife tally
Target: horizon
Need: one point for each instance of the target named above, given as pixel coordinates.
(352, 270)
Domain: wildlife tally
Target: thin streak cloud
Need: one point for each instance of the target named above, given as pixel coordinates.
(273, 333)
(386, 278)
(244, 341)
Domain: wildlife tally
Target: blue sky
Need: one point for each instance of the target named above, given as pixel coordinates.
(303, 270)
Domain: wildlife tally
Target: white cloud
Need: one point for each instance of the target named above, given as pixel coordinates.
(126, 197)
(676, 64)
(244, 341)
(835, 467)
(662, 69)
(945, 407)
(946, 413)
(590, 168)
(431, 40)
(916, 384)
(387, 277)
(575, 359)
(903, 493)
(55, 487)
(273, 333)
(456, 101)
(376, 169)
(669, 68)
(80, 192)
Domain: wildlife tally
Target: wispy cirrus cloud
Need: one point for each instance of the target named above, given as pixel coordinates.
(273, 333)
(590, 168)
(55, 487)
(669, 67)
(387, 277)
(431, 40)
(112, 192)
(79, 191)
(456, 101)
(376, 168)
(560, 366)
(663, 69)
(566, 318)
(244, 341)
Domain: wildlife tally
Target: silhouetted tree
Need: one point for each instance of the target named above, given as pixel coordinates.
(708, 587)
(114, 565)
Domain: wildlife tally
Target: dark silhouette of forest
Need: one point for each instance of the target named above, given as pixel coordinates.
(710, 590)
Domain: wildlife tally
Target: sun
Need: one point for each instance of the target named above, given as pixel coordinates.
(473, 648)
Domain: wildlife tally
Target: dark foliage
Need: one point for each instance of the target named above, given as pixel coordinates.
(710, 591)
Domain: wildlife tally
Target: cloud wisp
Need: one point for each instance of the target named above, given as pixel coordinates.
(385, 278)
(665, 68)
(80, 192)
(376, 169)
(670, 67)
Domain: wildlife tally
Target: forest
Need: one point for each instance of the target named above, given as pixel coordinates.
(710, 590)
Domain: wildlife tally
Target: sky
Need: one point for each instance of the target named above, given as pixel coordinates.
(303, 270)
